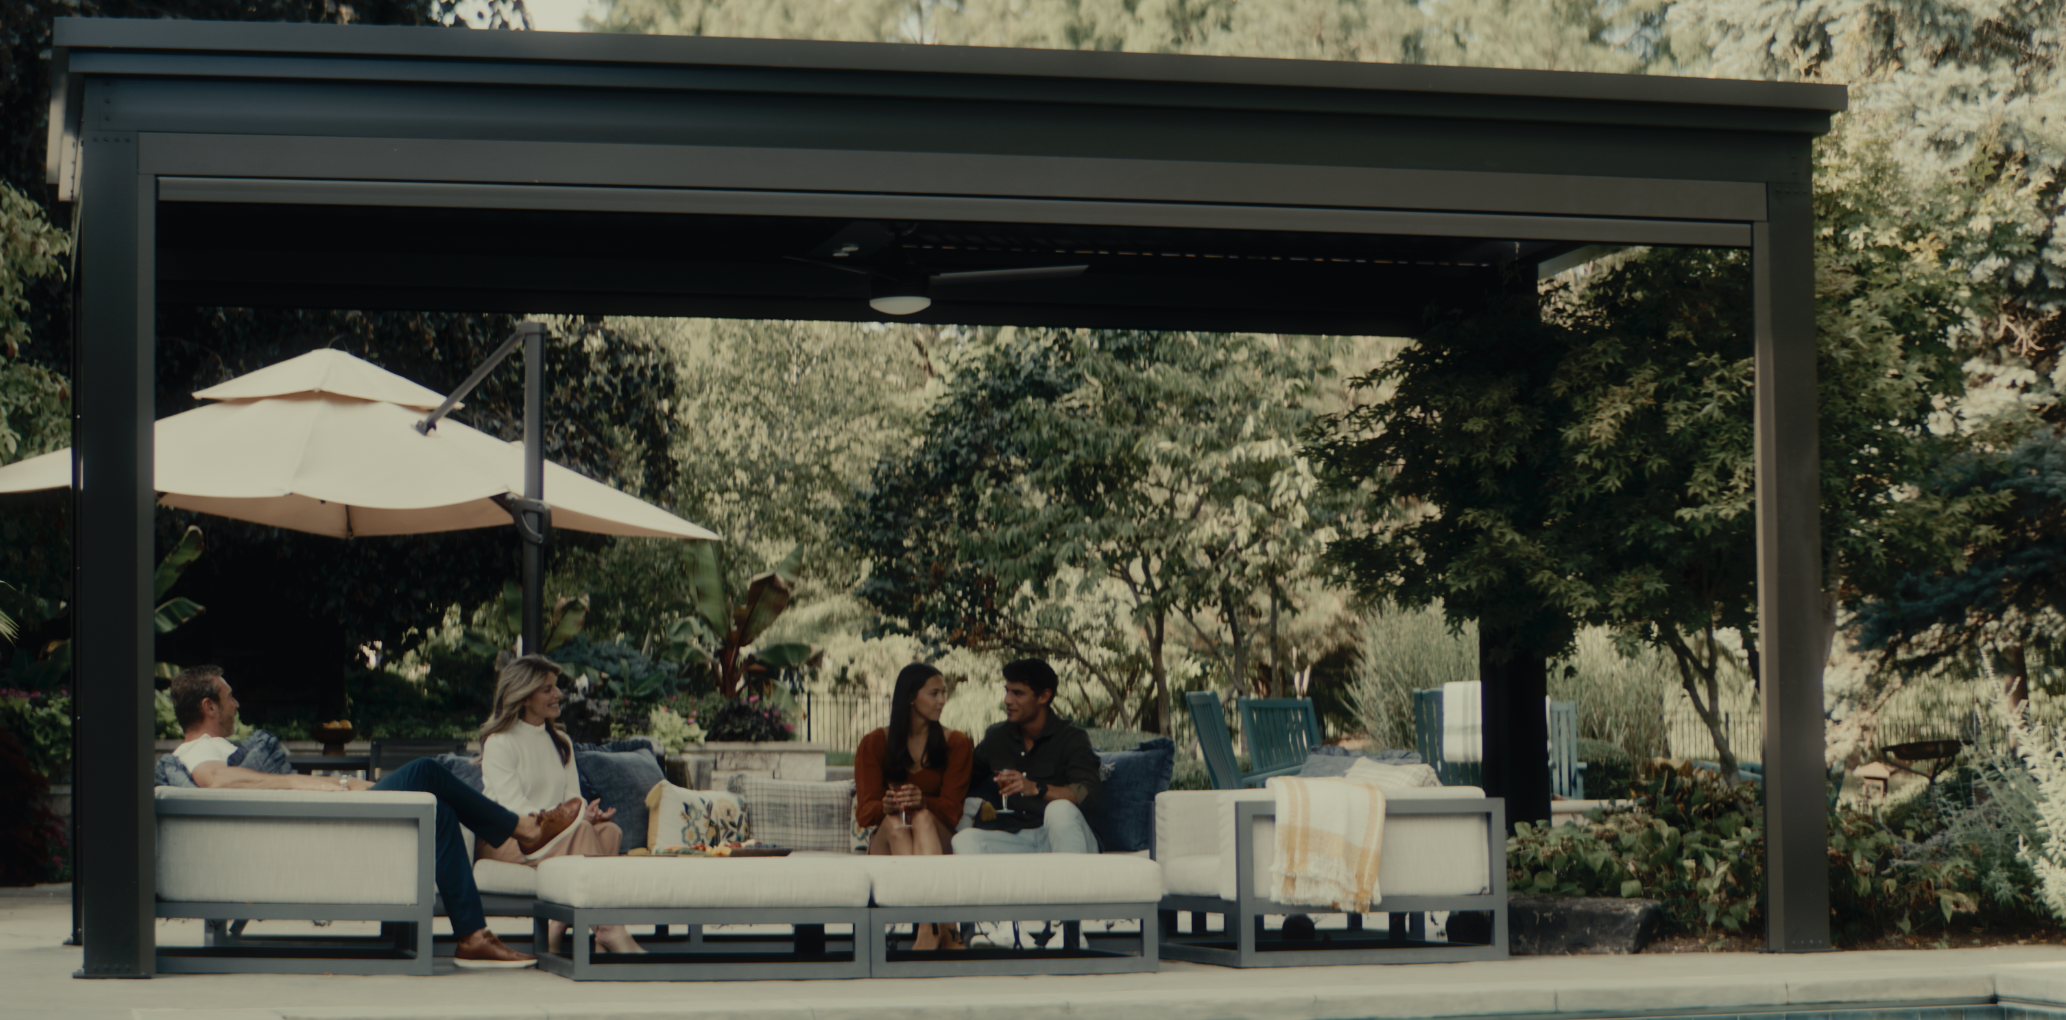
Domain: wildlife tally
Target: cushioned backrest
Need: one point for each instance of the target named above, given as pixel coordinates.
(621, 779)
(799, 814)
(1125, 818)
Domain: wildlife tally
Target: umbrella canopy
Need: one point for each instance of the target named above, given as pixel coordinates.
(327, 443)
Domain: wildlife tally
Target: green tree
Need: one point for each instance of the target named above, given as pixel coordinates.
(1091, 495)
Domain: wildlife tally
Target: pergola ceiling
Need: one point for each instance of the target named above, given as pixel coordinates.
(585, 262)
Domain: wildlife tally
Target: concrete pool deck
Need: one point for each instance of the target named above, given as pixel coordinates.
(36, 984)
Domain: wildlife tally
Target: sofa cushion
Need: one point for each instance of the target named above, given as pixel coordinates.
(703, 882)
(621, 780)
(505, 879)
(677, 816)
(798, 814)
(1392, 778)
(1028, 879)
(1125, 818)
(1330, 760)
(258, 859)
(1424, 855)
(1192, 875)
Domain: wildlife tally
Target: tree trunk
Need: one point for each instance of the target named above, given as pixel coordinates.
(1276, 649)
(1514, 681)
(1239, 681)
(1694, 674)
(2015, 680)
(1158, 673)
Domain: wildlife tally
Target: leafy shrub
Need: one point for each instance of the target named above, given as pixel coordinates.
(1696, 844)
(749, 719)
(32, 843)
(42, 722)
(1609, 771)
(674, 732)
(387, 705)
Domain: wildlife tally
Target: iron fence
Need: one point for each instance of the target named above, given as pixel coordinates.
(839, 721)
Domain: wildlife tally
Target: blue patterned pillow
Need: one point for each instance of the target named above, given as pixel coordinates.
(260, 752)
(1332, 761)
(1125, 818)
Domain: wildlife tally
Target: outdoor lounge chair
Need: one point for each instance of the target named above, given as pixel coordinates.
(1217, 746)
(1444, 850)
(230, 855)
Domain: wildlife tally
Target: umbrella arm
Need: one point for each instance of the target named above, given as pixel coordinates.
(520, 509)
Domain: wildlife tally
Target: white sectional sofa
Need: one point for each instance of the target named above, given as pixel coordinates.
(1444, 851)
(868, 897)
(231, 856)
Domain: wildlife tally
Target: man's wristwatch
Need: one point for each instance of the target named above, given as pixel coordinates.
(344, 783)
(1040, 790)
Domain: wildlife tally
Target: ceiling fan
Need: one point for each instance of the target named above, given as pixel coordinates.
(898, 285)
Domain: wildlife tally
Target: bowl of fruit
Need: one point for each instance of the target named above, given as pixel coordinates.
(334, 735)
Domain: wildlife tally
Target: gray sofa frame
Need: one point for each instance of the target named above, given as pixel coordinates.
(402, 947)
(1122, 953)
(702, 957)
(1404, 940)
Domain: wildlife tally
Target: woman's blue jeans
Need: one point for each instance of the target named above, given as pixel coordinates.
(458, 804)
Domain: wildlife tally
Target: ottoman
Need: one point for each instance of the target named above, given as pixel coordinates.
(1070, 888)
(805, 892)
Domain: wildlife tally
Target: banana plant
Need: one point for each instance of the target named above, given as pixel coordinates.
(172, 613)
(569, 614)
(723, 631)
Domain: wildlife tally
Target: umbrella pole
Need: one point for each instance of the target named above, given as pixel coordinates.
(533, 537)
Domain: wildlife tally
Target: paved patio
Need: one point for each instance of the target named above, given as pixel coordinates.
(35, 971)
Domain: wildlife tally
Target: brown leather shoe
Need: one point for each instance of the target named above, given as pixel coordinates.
(483, 951)
(552, 823)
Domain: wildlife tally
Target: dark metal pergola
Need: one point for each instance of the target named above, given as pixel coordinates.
(367, 167)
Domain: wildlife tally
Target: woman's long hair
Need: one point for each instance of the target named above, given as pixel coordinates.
(518, 680)
(897, 763)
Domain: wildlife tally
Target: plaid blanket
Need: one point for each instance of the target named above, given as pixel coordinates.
(1330, 835)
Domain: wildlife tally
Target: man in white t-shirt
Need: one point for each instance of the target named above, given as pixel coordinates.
(207, 709)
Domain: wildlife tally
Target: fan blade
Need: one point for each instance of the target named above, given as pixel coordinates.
(1010, 275)
(857, 240)
(857, 270)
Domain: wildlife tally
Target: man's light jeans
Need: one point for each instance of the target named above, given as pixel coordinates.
(1065, 831)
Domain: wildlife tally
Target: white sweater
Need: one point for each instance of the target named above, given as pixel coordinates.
(521, 770)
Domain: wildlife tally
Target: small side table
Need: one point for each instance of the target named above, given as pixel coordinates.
(307, 763)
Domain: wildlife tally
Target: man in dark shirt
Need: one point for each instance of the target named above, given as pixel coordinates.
(1044, 764)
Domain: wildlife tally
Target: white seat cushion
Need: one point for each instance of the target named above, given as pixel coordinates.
(257, 859)
(1424, 855)
(505, 879)
(989, 880)
(1195, 875)
(702, 882)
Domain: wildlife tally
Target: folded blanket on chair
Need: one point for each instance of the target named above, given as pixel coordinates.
(1330, 835)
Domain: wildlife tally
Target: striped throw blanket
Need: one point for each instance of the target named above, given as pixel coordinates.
(1330, 834)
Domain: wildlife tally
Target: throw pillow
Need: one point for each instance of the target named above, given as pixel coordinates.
(170, 771)
(261, 752)
(1330, 760)
(467, 767)
(621, 780)
(799, 814)
(1125, 815)
(675, 816)
(1393, 777)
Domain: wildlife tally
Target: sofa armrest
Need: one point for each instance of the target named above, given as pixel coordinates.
(295, 847)
(1186, 823)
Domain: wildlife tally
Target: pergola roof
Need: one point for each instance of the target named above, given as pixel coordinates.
(1227, 193)
(333, 166)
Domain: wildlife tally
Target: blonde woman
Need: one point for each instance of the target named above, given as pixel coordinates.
(526, 759)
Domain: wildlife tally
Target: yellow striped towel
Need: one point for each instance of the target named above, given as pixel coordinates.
(1330, 836)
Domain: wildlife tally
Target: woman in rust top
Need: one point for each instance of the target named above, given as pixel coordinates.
(911, 776)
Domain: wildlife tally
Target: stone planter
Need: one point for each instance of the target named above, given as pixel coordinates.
(59, 801)
(771, 759)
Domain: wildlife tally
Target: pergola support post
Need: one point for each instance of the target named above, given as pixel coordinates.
(1789, 549)
(114, 413)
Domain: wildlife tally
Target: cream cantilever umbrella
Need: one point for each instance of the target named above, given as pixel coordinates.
(327, 443)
